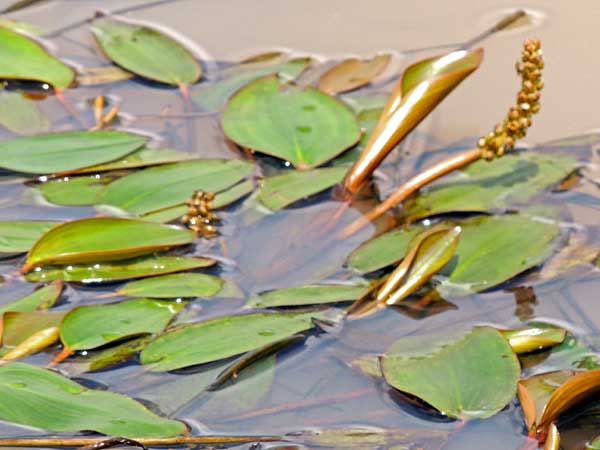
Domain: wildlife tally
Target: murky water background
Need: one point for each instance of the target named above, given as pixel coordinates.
(313, 383)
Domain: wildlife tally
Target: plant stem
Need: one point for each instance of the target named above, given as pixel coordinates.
(154, 442)
(60, 95)
(413, 185)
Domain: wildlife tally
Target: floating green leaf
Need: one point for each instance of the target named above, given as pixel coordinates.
(73, 191)
(219, 338)
(87, 327)
(173, 286)
(17, 236)
(169, 185)
(593, 445)
(103, 239)
(303, 126)
(146, 52)
(21, 27)
(493, 249)
(383, 250)
(146, 266)
(468, 377)
(42, 298)
(353, 73)
(44, 399)
(143, 157)
(66, 151)
(214, 96)
(22, 58)
(483, 187)
(281, 190)
(308, 295)
(20, 115)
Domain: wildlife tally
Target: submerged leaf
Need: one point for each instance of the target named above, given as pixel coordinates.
(92, 76)
(33, 344)
(103, 239)
(20, 115)
(468, 377)
(17, 236)
(169, 185)
(222, 337)
(40, 299)
(214, 96)
(532, 339)
(371, 438)
(493, 249)
(303, 126)
(173, 286)
(21, 326)
(87, 327)
(66, 151)
(109, 356)
(308, 295)
(22, 58)
(483, 186)
(422, 87)
(353, 73)
(146, 266)
(146, 52)
(281, 190)
(44, 399)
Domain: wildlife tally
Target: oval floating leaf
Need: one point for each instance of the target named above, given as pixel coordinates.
(103, 239)
(44, 399)
(470, 377)
(214, 96)
(353, 73)
(431, 250)
(20, 115)
(118, 270)
(143, 157)
(483, 187)
(222, 337)
(383, 250)
(17, 236)
(532, 339)
(169, 185)
(66, 151)
(303, 126)
(308, 295)
(493, 249)
(281, 190)
(73, 191)
(42, 298)
(87, 327)
(173, 286)
(146, 52)
(410, 102)
(22, 58)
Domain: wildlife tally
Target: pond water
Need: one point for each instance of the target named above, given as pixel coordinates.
(314, 383)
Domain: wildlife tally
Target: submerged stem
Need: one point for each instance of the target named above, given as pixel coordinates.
(154, 442)
(505, 22)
